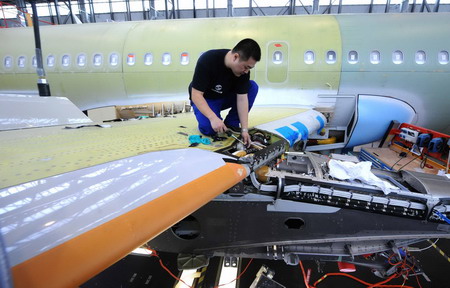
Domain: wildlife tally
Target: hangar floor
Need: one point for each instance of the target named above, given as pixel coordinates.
(144, 271)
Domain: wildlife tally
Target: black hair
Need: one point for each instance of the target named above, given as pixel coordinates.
(248, 48)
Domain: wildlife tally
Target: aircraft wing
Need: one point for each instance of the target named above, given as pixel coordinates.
(75, 200)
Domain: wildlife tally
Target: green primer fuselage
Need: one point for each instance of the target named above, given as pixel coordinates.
(289, 80)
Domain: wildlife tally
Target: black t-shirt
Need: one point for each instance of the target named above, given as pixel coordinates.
(214, 79)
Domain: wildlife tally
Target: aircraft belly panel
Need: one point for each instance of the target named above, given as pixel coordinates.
(240, 225)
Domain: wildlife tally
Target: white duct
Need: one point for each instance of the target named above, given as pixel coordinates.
(297, 127)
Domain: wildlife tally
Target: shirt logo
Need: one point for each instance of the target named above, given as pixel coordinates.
(218, 89)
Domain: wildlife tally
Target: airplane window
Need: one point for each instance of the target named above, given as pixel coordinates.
(148, 59)
(421, 57)
(184, 58)
(34, 61)
(166, 59)
(50, 60)
(443, 57)
(277, 57)
(7, 62)
(375, 57)
(81, 60)
(97, 60)
(21, 62)
(309, 57)
(65, 60)
(352, 57)
(114, 59)
(131, 59)
(397, 57)
(331, 57)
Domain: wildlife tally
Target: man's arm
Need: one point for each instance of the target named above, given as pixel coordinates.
(242, 107)
(199, 101)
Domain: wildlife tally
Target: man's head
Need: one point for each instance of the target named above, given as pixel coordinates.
(247, 48)
(244, 56)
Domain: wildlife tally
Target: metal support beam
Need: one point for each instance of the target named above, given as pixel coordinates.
(425, 5)
(315, 8)
(193, 9)
(230, 12)
(292, 7)
(50, 13)
(262, 11)
(91, 8)
(111, 12)
(58, 15)
(152, 15)
(328, 9)
(436, 6)
(404, 7)
(388, 6)
(340, 7)
(166, 9)
(22, 6)
(371, 6)
(128, 12)
(71, 12)
(144, 14)
(83, 14)
(173, 15)
(43, 86)
(303, 5)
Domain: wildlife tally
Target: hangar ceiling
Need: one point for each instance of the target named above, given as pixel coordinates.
(88, 11)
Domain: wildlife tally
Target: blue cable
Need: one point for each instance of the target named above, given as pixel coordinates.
(442, 216)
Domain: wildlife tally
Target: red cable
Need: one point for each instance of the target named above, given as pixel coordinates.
(380, 284)
(304, 275)
(404, 266)
(154, 253)
(242, 273)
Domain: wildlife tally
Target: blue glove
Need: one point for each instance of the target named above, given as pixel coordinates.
(198, 139)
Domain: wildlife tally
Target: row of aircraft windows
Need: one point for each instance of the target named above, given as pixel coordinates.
(420, 58)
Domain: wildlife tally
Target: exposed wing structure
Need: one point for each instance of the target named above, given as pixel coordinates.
(80, 199)
(299, 211)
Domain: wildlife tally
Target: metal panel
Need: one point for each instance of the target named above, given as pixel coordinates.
(25, 111)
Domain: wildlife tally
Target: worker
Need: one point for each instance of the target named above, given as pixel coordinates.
(222, 80)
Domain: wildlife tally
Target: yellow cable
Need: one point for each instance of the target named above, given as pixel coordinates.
(439, 250)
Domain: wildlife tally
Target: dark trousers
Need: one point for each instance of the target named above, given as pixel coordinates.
(217, 105)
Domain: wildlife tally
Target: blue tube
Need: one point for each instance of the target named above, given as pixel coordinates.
(442, 216)
(288, 133)
(322, 123)
(301, 129)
